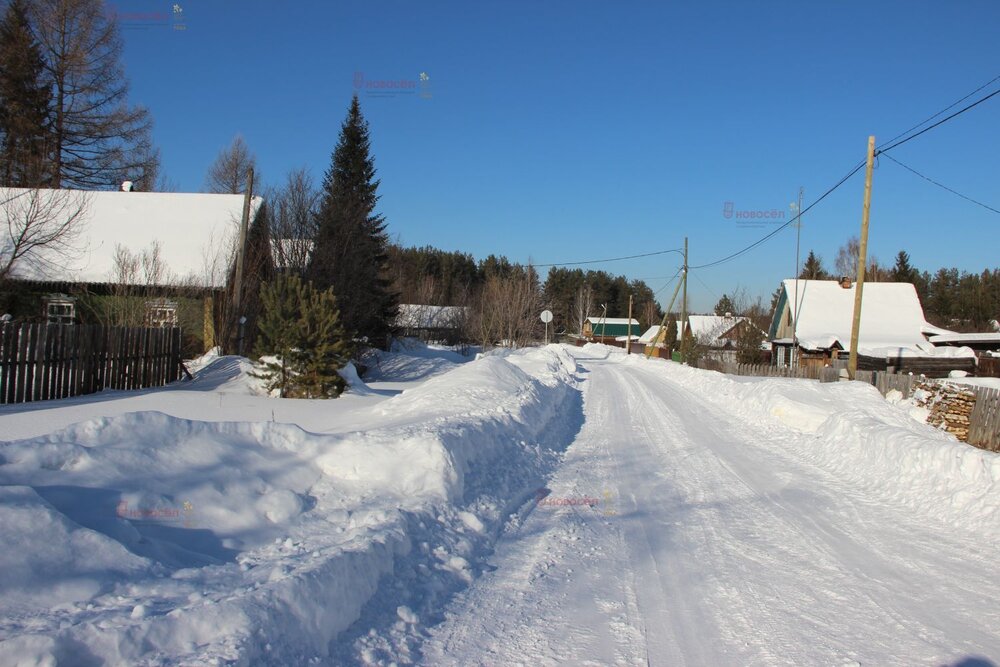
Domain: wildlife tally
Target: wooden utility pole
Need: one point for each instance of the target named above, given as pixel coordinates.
(794, 361)
(684, 299)
(852, 361)
(628, 335)
(663, 323)
(242, 247)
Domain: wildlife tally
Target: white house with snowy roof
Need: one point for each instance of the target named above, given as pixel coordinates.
(191, 235)
(815, 317)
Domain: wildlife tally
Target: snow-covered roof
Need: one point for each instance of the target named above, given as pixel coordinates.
(613, 320)
(194, 232)
(650, 334)
(966, 338)
(709, 328)
(891, 316)
(417, 316)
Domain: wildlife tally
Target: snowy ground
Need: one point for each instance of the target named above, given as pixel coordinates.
(548, 506)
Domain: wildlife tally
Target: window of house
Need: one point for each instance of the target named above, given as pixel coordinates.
(59, 309)
(161, 313)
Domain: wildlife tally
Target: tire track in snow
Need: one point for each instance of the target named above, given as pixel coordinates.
(725, 549)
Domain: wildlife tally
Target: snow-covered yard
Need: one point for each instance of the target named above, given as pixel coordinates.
(548, 506)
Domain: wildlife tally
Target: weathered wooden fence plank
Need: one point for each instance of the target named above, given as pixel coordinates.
(40, 361)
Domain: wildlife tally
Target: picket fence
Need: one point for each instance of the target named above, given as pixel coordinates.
(41, 361)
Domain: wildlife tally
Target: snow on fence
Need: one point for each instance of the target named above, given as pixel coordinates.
(45, 361)
(765, 370)
(983, 428)
(886, 382)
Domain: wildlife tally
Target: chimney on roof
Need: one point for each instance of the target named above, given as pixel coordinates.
(128, 186)
(845, 282)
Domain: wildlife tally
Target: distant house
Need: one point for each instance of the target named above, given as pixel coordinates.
(431, 323)
(602, 328)
(893, 329)
(720, 334)
(166, 254)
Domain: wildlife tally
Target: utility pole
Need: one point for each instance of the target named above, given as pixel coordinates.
(852, 361)
(794, 361)
(242, 247)
(663, 323)
(628, 335)
(684, 299)
(240, 260)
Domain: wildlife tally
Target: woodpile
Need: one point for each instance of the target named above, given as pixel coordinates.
(950, 407)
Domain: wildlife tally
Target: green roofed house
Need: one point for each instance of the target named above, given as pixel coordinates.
(610, 327)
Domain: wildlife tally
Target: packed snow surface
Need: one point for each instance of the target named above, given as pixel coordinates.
(548, 506)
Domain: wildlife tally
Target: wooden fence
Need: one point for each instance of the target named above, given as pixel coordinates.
(984, 424)
(46, 361)
(886, 382)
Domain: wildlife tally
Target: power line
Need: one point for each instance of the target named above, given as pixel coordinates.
(711, 291)
(942, 185)
(953, 104)
(756, 243)
(861, 164)
(612, 259)
(843, 180)
(940, 122)
(668, 283)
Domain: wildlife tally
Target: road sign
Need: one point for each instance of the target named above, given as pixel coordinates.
(546, 316)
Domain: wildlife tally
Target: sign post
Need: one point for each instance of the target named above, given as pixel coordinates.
(546, 317)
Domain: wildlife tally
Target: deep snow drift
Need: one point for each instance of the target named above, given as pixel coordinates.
(205, 523)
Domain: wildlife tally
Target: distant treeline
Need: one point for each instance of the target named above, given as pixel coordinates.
(446, 278)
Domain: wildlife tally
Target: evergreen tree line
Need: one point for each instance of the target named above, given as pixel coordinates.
(431, 276)
(65, 120)
(953, 299)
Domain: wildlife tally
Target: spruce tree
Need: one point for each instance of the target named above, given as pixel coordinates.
(813, 268)
(25, 99)
(725, 305)
(351, 248)
(301, 342)
(324, 346)
(258, 269)
(903, 272)
(277, 328)
(670, 335)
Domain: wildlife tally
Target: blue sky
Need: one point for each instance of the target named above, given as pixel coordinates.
(558, 131)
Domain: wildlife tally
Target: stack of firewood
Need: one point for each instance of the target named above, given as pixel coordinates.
(950, 407)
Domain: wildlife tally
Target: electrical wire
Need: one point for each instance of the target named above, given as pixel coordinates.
(759, 241)
(669, 281)
(893, 144)
(612, 259)
(953, 104)
(710, 290)
(940, 122)
(942, 185)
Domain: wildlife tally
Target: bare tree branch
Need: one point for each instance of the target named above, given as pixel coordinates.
(42, 230)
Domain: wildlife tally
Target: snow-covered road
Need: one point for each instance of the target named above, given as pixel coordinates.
(677, 533)
(545, 506)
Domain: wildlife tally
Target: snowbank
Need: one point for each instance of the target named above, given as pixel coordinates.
(849, 429)
(145, 538)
